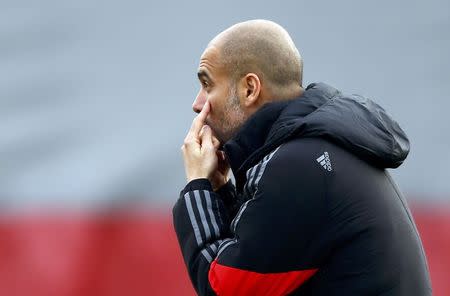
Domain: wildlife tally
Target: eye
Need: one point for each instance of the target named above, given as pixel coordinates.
(205, 84)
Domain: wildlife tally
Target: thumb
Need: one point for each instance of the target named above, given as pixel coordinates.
(221, 155)
(216, 142)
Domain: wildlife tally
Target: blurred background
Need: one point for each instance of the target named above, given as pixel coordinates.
(95, 101)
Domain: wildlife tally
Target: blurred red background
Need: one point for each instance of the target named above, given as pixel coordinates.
(136, 253)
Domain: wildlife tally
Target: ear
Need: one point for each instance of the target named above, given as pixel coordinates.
(252, 88)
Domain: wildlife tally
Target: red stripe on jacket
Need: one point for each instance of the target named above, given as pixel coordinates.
(226, 280)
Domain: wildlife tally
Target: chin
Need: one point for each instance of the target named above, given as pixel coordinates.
(222, 135)
(222, 139)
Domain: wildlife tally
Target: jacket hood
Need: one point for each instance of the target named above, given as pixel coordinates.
(353, 122)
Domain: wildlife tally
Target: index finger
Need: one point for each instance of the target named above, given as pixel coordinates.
(199, 120)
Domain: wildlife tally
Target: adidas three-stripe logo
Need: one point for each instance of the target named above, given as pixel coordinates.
(325, 162)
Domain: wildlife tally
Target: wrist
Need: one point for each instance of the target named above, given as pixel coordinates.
(196, 177)
(198, 184)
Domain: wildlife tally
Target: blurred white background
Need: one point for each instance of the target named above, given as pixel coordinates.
(95, 96)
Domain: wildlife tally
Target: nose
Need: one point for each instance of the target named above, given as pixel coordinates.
(199, 102)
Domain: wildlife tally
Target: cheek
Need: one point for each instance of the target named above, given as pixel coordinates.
(213, 103)
(216, 115)
(218, 98)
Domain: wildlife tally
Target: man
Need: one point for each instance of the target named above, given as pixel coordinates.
(314, 211)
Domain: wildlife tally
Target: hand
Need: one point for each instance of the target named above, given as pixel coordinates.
(202, 159)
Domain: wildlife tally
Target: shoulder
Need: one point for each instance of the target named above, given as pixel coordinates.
(294, 168)
(302, 156)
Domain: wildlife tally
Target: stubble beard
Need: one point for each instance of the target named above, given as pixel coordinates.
(232, 118)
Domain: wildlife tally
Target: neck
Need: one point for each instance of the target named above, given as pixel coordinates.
(283, 93)
(275, 95)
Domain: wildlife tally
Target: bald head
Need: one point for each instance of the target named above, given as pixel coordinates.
(264, 48)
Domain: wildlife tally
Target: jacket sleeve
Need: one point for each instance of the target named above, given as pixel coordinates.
(231, 200)
(254, 254)
(201, 221)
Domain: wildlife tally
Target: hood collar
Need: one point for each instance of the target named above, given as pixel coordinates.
(353, 122)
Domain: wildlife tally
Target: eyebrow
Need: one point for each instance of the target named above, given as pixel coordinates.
(203, 74)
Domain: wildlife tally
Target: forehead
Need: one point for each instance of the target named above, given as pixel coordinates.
(210, 63)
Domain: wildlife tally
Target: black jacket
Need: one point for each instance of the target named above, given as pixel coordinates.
(314, 211)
